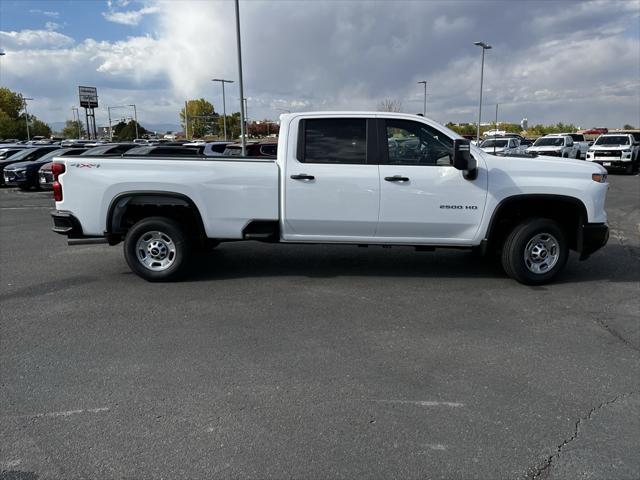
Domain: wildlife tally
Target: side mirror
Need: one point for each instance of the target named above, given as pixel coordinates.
(462, 159)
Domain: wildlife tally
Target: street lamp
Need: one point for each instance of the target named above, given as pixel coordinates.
(242, 129)
(109, 114)
(484, 47)
(135, 117)
(224, 104)
(26, 116)
(424, 110)
(74, 112)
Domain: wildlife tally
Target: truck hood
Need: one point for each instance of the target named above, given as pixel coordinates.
(557, 166)
(545, 148)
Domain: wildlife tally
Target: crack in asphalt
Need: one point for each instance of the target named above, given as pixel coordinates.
(617, 335)
(536, 472)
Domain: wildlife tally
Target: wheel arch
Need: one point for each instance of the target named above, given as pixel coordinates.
(151, 203)
(569, 211)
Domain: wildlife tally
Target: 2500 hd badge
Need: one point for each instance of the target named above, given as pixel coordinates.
(459, 207)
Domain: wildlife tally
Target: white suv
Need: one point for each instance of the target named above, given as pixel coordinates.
(555, 145)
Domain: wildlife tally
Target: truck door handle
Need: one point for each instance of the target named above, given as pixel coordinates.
(397, 178)
(303, 176)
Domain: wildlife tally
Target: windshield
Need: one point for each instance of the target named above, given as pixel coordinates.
(22, 154)
(494, 143)
(549, 142)
(55, 153)
(617, 140)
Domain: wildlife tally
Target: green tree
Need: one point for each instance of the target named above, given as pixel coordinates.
(11, 103)
(628, 126)
(71, 129)
(233, 125)
(12, 123)
(202, 119)
(124, 132)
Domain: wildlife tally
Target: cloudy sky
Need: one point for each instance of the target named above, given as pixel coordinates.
(551, 61)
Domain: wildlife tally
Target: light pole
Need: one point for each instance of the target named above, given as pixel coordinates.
(424, 109)
(135, 118)
(26, 116)
(246, 117)
(75, 112)
(484, 47)
(109, 114)
(242, 129)
(224, 103)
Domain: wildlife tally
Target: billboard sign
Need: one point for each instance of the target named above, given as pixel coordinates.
(88, 97)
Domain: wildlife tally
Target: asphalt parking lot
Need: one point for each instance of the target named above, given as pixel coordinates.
(278, 361)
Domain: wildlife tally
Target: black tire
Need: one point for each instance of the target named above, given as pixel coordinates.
(629, 168)
(578, 155)
(25, 187)
(163, 244)
(524, 260)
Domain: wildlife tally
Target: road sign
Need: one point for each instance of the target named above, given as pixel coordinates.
(88, 97)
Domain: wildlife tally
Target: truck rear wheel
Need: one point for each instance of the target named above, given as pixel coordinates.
(535, 251)
(157, 249)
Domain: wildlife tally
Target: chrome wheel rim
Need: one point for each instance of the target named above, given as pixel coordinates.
(541, 253)
(156, 251)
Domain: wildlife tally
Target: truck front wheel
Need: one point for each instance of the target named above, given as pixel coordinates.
(535, 251)
(157, 249)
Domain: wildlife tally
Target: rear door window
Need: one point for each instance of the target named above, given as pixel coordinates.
(333, 140)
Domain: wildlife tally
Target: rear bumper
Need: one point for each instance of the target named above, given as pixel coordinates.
(592, 237)
(65, 223)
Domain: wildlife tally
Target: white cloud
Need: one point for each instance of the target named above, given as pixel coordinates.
(34, 39)
(51, 26)
(47, 13)
(129, 17)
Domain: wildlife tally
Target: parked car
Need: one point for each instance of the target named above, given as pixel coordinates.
(502, 146)
(110, 149)
(25, 175)
(25, 155)
(252, 149)
(616, 150)
(164, 150)
(555, 145)
(215, 149)
(335, 183)
(74, 142)
(6, 152)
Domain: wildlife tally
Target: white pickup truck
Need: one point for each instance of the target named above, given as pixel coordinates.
(339, 177)
(555, 145)
(616, 150)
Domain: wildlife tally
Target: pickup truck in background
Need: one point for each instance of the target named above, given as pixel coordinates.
(616, 150)
(361, 178)
(555, 145)
(502, 146)
(580, 143)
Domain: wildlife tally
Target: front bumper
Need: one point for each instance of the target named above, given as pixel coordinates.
(14, 179)
(592, 237)
(611, 162)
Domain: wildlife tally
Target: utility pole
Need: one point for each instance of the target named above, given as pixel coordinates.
(424, 109)
(246, 117)
(110, 129)
(224, 103)
(242, 129)
(135, 118)
(186, 121)
(26, 116)
(484, 47)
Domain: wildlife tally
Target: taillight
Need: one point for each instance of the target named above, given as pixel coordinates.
(57, 191)
(56, 170)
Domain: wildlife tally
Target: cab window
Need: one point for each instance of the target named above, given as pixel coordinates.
(414, 143)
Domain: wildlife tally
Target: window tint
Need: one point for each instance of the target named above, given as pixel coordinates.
(413, 143)
(335, 140)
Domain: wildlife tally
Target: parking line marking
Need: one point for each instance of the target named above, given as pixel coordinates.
(65, 413)
(423, 403)
(26, 207)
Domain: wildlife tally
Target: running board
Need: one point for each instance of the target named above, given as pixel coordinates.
(86, 241)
